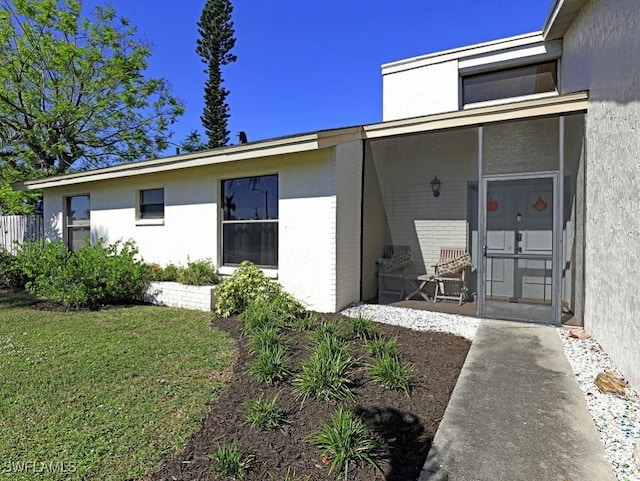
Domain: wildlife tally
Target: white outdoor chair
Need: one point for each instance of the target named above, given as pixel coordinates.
(451, 270)
(392, 267)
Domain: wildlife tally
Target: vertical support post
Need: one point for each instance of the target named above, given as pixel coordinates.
(482, 202)
(557, 263)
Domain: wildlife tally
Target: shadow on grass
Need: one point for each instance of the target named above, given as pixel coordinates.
(405, 437)
(13, 299)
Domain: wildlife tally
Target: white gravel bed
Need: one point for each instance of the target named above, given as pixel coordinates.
(419, 320)
(617, 419)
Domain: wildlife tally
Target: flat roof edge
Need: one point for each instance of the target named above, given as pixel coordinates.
(566, 103)
(266, 148)
(465, 51)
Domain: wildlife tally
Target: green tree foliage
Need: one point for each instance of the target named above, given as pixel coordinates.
(214, 46)
(192, 143)
(72, 90)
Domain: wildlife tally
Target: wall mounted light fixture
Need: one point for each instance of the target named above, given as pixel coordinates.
(435, 186)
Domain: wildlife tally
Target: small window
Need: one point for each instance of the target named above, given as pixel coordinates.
(513, 82)
(151, 204)
(78, 221)
(250, 220)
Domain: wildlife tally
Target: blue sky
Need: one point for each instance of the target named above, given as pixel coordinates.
(308, 65)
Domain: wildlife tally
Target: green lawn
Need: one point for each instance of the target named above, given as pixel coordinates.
(102, 395)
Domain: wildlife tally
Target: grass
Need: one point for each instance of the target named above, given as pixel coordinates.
(109, 392)
(380, 346)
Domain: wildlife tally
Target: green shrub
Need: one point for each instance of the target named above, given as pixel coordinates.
(170, 273)
(258, 314)
(304, 322)
(345, 440)
(263, 413)
(229, 462)
(270, 365)
(264, 338)
(89, 277)
(155, 272)
(198, 273)
(362, 327)
(249, 283)
(10, 275)
(392, 373)
(324, 329)
(380, 346)
(327, 372)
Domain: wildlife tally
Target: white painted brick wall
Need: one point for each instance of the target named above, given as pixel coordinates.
(173, 294)
(404, 168)
(348, 197)
(307, 217)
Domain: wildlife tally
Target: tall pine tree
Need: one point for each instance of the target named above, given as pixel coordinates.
(214, 46)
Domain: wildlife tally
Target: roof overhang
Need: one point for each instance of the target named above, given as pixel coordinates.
(559, 18)
(560, 104)
(255, 150)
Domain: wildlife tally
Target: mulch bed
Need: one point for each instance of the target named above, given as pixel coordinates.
(407, 424)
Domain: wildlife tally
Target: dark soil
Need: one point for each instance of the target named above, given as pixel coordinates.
(407, 424)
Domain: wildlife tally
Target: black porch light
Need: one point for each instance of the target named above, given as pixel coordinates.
(435, 186)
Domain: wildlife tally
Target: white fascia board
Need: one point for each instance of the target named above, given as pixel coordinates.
(268, 148)
(463, 52)
(511, 58)
(575, 102)
(560, 16)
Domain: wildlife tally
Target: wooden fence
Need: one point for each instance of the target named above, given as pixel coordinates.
(15, 229)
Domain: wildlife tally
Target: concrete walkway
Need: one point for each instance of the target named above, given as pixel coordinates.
(517, 414)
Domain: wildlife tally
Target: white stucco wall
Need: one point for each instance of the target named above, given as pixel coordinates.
(601, 52)
(348, 222)
(307, 217)
(425, 90)
(404, 167)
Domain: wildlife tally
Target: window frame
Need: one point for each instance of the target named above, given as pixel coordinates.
(505, 99)
(140, 218)
(79, 224)
(227, 266)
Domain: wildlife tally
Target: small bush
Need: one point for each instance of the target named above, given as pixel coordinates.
(362, 327)
(345, 440)
(380, 346)
(261, 313)
(89, 277)
(249, 283)
(270, 365)
(305, 322)
(265, 338)
(229, 462)
(10, 275)
(323, 330)
(170, 273)
(264, 413)
(155, 272)
(198, 273)
(327, 372)
(392, 373)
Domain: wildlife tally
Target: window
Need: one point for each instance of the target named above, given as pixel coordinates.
(250, 220)
(513, 82)
(78, 219)
(151, 204)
